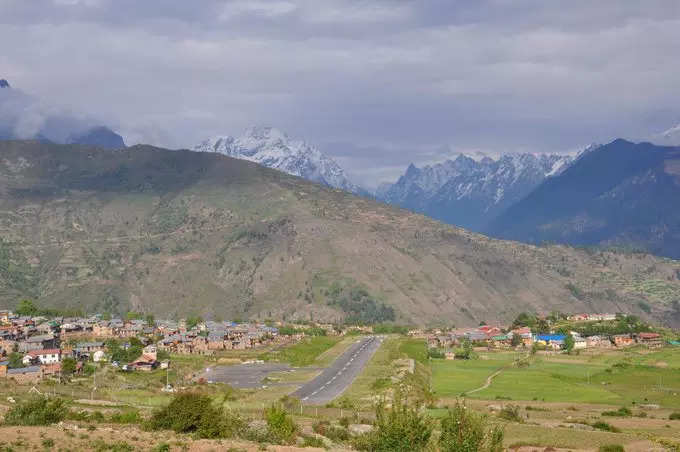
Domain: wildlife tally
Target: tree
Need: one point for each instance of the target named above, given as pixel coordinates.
(150, 321)
(27, 307)
(402, 428)
(569, 343)
(193, 320)
(516, 340)
(463, 430)
(68, 366)
(15, 360)
(132, 315)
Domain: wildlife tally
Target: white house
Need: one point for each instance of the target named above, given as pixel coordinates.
(44, 356)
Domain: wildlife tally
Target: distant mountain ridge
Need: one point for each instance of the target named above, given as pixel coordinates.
(620, 194)
(18, 122)
(274, 149)
(470, 192)
(179, 233)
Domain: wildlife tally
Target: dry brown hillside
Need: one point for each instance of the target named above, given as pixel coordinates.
(177, 232)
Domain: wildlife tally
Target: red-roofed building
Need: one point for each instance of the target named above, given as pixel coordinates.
(45, 356)
(649, 339)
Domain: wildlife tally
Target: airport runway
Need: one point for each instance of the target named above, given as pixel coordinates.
(335, 379)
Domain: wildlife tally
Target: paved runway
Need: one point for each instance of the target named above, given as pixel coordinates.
(335, 379)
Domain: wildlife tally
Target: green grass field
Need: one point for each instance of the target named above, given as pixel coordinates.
(415, 349)
(305, 352)
(610, 378)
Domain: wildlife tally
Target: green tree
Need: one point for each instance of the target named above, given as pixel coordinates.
(150, 321)
(68, 366)
(193, 320)
(132, 315)
(282, 428)
(401, 428)
(516, 340)
(463, 430)
(195, 413)
(27, 307)
(15, 360)
(568, 343)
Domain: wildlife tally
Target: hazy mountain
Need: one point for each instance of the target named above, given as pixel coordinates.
(24, 117)
(470, 192)
(274, 149)
(100, 136)
(620, 194)
(180, 232)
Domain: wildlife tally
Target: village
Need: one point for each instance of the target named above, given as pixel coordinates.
(33, 348)
(496, 337)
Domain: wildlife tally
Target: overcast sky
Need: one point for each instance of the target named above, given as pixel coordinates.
(376, 84)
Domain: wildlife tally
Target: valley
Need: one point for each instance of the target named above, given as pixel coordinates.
(180, 233)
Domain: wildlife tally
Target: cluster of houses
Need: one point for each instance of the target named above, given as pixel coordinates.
(496, 337)
(43, 343)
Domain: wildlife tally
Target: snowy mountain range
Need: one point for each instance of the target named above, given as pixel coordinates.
(470, 191)
(272, 148)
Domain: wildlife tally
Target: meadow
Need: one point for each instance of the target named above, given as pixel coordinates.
(610, 377)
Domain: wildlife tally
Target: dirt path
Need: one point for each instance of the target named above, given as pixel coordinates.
(489, 379)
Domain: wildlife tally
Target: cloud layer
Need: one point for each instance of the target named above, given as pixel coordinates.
(376, 83)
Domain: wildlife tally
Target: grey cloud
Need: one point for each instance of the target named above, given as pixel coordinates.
(393, 81)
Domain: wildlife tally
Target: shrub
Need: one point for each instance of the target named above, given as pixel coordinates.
(621, 412)
(37, 411)
(331, 432)
(465, 431)
(312, 441)
(601, 425)
(674, 416)
(510, 413)
(282, 428)
(611, 448)
(195, 413)
(381, 383)
(126, 417)
(401, 428)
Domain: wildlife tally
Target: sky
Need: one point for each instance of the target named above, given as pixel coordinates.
(375, 84)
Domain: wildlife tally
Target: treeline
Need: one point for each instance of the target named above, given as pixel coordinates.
(30, 308)
(359, 306)
(555, 322)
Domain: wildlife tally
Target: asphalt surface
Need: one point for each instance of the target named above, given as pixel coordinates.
(242, 376)
(334, 380)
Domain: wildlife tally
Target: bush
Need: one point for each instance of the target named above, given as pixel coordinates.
(465, 431)
(312, 441)
(611, 448)
(282, 428)
(126, 417)
(511, 413)
(621, 412)
(37, 411)
(674, 416)
(401, 428)
(601, 425)
(195, 413)
(337, 434)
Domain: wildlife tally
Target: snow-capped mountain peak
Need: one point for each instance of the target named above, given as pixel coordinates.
(273, 148)
(469, 190)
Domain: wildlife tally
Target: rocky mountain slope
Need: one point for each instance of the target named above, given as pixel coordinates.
(620, 194)
(180, 232)
(272, 148)
(471, 192)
